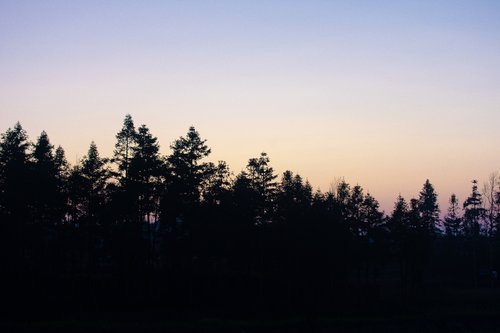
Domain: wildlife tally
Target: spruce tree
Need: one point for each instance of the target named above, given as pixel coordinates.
(473, 212)
(261, 176)
(87, 186)
(44, 179)
(126, 141)
(187, 171)
(14, 171)
(428, 208)
(145, 172)
(453, 222)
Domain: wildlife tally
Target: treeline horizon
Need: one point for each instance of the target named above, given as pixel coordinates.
(140, 148)
(174, 231)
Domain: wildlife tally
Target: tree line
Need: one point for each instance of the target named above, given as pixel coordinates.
(176, 230)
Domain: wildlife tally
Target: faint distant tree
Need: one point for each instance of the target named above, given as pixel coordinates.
(453, 221)
(490, 190)
(14, 181)
(428, 208)
(126, 141)
(473, 212)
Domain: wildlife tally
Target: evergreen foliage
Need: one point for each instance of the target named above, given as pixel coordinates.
(179, 230)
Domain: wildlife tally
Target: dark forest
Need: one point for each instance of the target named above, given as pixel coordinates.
(151, 243)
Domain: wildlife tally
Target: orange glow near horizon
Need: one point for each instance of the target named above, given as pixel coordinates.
(386, 95)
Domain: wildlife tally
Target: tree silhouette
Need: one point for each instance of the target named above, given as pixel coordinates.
(218, 183)
(428, 208)
(186, 171)
(14, 174)
(490, 190)
(261, 176)
(453, 221)
(399, 223)
(45, 180)
(473, 212)
(145, 172)
(294, 198)
(168, 235)
(87, 187)
(126, 140)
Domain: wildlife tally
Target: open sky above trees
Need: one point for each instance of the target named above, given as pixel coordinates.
(385, 94)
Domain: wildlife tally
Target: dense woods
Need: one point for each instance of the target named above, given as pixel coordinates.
(143, 231)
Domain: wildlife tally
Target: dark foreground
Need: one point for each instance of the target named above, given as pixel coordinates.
(471, 310)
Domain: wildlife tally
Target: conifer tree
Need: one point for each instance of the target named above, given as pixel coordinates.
(145, 172)
(294, 197)
(187, 170)
(218, 185)
(473, 212)
(428, 208)
(44, 179)
(453, 221)
(62, 169)
(14, 183)
(87, 186)
(399, 220)
(261, 176)
(126, 141)
(371, 217)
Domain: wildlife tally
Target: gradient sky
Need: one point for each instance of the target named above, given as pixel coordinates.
(383, 93)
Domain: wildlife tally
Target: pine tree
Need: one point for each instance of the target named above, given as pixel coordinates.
(245, 200)
(399, 221)
(126, 141)
(342, 201)
(428, 208)
(453, 221)
(414, 219)
(45, 189)
(14, 183)
(87, 186)
(218, 184)
(145, 172)
(187, 173)
(371, 217)
(354, 209)
(261, 176)
(294, 197)
(62, 172)
(473, 212)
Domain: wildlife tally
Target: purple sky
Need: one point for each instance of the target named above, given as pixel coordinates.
(383, 93)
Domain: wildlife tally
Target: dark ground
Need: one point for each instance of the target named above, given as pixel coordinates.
(466, 310)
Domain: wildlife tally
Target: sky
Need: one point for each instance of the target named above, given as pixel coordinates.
(385, 94)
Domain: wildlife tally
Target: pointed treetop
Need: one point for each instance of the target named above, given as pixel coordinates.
(43, 149)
